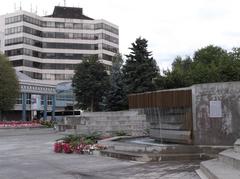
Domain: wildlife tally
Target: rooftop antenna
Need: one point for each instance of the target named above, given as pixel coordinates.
(20, 8)
(15, 8)
(31, 8)
(64, 3)
(36, 10)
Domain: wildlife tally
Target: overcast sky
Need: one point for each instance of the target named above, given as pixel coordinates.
(172, 27)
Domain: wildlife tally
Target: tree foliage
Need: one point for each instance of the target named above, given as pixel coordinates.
(9, 87)
(116, 99)
(140, 69)
(209, 64)
(90, 84)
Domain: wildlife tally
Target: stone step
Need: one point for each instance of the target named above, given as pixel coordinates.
(201, 174)
(215, 169)
(125, 155)
(149, 157)
(162, 149)
(237, 146)
(231, 158)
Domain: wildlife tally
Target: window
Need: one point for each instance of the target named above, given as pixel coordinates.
(42, 100)
(88, 26)
(60, 25)
(28, 98)
(106, 27)
(13, 30)
(14, 52)
(17, 63)
(13, 19)
(68, 25)
(110, 48)
(77, 26)
(107, 57)
(49, 99)
(50, 24)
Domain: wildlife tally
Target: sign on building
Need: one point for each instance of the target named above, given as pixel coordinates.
(215, 109)
(35, 102)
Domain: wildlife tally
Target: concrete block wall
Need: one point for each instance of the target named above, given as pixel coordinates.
(109, 123)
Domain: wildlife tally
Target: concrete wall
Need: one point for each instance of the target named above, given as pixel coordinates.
(220, 130)
(109, 123)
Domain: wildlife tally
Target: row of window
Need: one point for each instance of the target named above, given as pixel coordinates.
(107, 57)
(13, 30)
(60, 35)
(49, 66)
(70, 46)
(36, 43)
(110, 48)
(14, 19)
(48, 76)
(66, 25)
(19, 99)
(33, 53)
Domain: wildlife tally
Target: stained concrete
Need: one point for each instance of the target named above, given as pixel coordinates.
(221, 130)
(30, 156)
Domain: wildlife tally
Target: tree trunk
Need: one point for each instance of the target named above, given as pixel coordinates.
(0, 115)
(92, 103)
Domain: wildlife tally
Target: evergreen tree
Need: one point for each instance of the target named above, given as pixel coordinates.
(90, 83)
(116, 99)
(9, 87)
(140, 69)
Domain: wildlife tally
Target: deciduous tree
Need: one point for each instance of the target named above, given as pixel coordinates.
(9, 87)
(90, 83)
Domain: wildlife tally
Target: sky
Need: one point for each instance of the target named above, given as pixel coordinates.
(172, 27)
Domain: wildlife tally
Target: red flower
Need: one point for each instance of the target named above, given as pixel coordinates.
(58, 147)
(79, 148)
(67, 148)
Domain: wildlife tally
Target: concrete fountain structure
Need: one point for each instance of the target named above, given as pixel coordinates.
(188, 123)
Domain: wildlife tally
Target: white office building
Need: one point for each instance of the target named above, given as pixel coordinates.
(49, 47)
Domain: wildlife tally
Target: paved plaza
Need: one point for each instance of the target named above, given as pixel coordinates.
(32, 157)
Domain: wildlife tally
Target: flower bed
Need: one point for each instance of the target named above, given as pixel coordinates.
(19, 124)
(78, 144)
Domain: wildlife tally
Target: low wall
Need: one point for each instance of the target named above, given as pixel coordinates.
(109, 123)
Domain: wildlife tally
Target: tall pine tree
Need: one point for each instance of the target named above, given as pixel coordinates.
(140, 69)
(116, 99)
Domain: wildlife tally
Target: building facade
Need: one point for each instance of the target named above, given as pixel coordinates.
(49, 47)
(37, 99)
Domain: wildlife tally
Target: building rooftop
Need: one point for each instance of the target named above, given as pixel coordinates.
(69, 12)
(22, 76)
